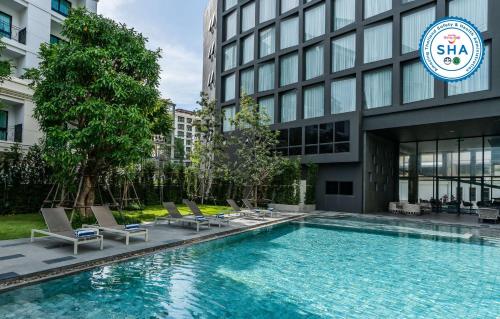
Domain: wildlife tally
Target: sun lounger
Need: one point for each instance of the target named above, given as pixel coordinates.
(59, 227)
(249, 205)
(244, 212)
(106, 222)
(218, 219)
(487, 213)
(175, 216)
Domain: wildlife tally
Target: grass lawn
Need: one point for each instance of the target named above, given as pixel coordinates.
(19, 226)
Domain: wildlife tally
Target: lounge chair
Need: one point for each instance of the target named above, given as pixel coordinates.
(218, 219)
(394, 208)
(244, 212)
(411, 209)
(59, 227)
(106, 222)
(175, 216)
(487, 213)
(249, 205)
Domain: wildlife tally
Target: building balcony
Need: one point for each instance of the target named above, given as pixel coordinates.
(14, 38)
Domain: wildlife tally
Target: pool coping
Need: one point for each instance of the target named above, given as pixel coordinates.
(54, 273)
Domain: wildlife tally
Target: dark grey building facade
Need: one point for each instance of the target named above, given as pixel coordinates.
(342, 82)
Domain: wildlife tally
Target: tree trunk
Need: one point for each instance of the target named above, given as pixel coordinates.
(86, 196)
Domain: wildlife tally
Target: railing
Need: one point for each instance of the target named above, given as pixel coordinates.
(13, 133)
(13, 32)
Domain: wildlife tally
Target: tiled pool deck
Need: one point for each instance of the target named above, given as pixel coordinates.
(23, 262)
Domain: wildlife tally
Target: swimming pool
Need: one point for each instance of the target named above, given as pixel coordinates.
(288, 271)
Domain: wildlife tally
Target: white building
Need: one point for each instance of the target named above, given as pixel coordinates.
(185, 129)
(24, 25)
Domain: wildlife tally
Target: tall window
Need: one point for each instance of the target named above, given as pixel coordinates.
(247, 81)
(344, 13)
(289, 33)
(5, 25)
(266, 106)
(266, 76)
(230, 25)
(374, 7)
(378, 88)
(248, 17)
(378, 42)
(418, 84)
(476, 11)
(267, 41)
(343, 53)
(289, 69)
(4, 119)
(314, 101)
(314, 61)
(61, 6)
(314, 22)
(229, 112)
(267, 10)
(480, 81)
(247, 49)
(413, 26)
(229, 56)
(287, 5)
(343, 97)
(229, 87)
(228, 4)
(288, 106)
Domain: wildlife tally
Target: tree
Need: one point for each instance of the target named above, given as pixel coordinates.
(208, 152)
(96, 99)
(253, 144)
(5, 67)
(179, 150)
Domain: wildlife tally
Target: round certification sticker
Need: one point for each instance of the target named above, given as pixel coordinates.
(452, 49)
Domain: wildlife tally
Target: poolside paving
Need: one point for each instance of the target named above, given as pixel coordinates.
(22, 261)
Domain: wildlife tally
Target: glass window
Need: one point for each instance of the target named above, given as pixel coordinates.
(344, 13)
(312, 134)
(247, 49)
(5, 25)
(61, 6)
(479, 81)
(287, 5)
(447, 158)
(266, 106)
(339, 188)
(289, 33)
(374, 7)
(267, 10)
(229, 4)
(314, 98)
(326, 133)
(4, 119)
(229, 87)
(492, 156)
(314, 22)
(314, 62)
(342, 131)
(413, 26)
(289, 69)
(471, 157)
(288, 106)
(247, 81)
(343, 97)
(295, 138)
(229, 113)
(248, 17)
(229, 56)
(230, 25)
(476, 11)
(266, 76)
(378, 42)
(378, 88)
(343, 52)
(267, 41)
(418, 84)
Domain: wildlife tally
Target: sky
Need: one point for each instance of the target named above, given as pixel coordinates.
(175, 26)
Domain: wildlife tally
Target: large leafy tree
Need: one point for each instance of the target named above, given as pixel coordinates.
(5, 67)
(254, 159)
(97, 99)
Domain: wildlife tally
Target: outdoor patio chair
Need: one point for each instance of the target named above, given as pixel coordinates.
(394, 208)
(244, 212)
(59, 227)
(175, 216)
(266, 212)
(218, 219)
(487, 214)
(411, 209)
(106, 222)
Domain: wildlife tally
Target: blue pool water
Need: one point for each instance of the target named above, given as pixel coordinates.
(291, 271)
